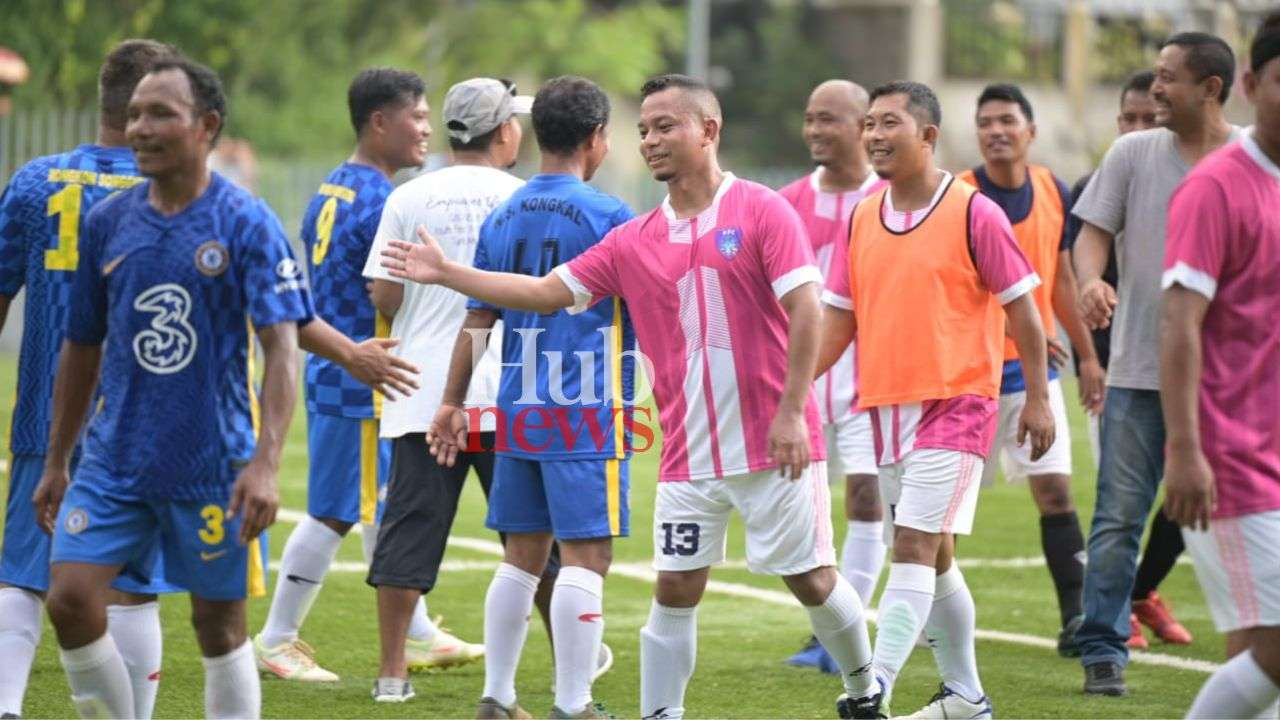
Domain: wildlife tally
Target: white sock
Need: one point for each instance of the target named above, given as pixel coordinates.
(368, 540)
(19, 637)
(231, 685)
(950, 630)
(307, 556)
(904, 607)
(862, 557)
(1271, 712)
(577, 624)
(99, 681)
(136, 632)
(668, 653)
(421, 628)
(506, 624)
(1239, 689)
(840, 626)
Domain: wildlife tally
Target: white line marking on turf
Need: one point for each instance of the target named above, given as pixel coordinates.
(642, 572)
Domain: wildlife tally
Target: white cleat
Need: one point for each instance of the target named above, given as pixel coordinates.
(442, 651)
(392, 690)
(290, 661)
(946, 705)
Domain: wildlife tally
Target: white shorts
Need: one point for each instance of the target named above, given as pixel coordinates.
(854, 446)
(788, 522)
(933, 490)
(1016, 461)
(1237, 562)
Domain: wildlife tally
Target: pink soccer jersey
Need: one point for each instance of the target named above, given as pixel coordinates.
(703, 295)
(1224, 243)
(826, 217)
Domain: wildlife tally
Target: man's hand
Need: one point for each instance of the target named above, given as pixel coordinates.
(1097, 303)
(423, 262)
(1190, 495)
(256, 496)
(48, 497)
(1036, 421)
(789, 442)
(375, 366)
(447, 435)
(1056, 353)
(1093, 386)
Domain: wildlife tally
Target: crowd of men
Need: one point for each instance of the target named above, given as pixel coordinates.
(908, 314)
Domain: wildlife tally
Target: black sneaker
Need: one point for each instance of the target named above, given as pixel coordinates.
(863, 708)
(1105, 678)
(1068, 647)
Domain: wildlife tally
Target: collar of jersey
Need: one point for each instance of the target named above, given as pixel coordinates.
(1255, 153)
(815, 178)
(155, 218)
(706, 218)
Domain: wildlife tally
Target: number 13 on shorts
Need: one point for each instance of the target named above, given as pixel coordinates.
(680, 538)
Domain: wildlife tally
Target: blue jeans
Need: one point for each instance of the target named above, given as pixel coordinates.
(1130, 473)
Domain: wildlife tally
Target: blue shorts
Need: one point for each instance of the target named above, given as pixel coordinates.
(573, 499)
(349, 465)
(200, 548)
(24, 556)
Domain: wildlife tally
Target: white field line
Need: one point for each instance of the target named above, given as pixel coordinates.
(644, 573)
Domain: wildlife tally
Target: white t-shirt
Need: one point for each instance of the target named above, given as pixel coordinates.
(451, 203)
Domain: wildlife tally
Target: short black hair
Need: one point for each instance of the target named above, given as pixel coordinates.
(922, 102)
(479, 143)
(1138, 82)
(206, 88)
(1207, 56)
(1007, 93)
(1266, 43)
(566, 111)
(708, 103)
(377, 88)
(125, 65)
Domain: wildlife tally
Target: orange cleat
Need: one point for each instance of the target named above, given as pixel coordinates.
(1137, 641)
(1153, 613)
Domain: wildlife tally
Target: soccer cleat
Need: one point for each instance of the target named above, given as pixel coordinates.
(290, 661)
(815, 656)
(393, 690)
(490, 709)
(10, 716)
(1153, 613)
(871, 707)
(440, 652)
(1104, 678)
(1068, 647)
(1136, 641)
(593, 711)
(947, 705)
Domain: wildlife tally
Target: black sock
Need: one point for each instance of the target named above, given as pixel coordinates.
(1063, 545)
(1163, 548)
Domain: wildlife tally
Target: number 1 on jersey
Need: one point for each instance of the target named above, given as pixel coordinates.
(66, 205)
(324, 230)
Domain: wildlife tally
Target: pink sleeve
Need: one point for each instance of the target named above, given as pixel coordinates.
(1004, 269)
(1196, 244)
(785, 249)
(592, 276)
(838, 291)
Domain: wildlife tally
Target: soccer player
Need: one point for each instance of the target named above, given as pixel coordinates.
(1036, 202)
(1220, 390)
(422, 494)
(722, 290)
(825, 200)
(548, 484)
(177, 276)
(348, 463)
(931, 263)
(41, 223)
(1130, 192)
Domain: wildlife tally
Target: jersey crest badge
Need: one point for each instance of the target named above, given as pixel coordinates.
(212, 258)
(729, 242)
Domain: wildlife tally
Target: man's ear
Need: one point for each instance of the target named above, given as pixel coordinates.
(711, 129)
(930, 135)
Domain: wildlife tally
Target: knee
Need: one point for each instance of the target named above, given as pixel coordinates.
(217, 629)
(1053, 495)
(915, 546)
(863, 503)
(527, 551)
(594, 555)
(67, 605)
(339, 526)
(812, 588)
(679, 590)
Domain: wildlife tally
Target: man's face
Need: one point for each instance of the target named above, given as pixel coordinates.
(832, 126)
(1137, 112)
(1178, 95)
(1263, 90)
(163, 128)
(892, 137)
(673, 134)
(1004, 132)
(408, 126)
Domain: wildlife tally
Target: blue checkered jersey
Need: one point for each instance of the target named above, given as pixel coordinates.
(42, 219)
(176, 301)
(575, 402)
(337, 231)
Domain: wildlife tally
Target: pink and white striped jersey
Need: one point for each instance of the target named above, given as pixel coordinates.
(703, 296)
(826, 217)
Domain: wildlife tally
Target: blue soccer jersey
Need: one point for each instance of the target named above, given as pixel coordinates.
(338, 230)
(176, 301)
(42, 218)
(576, 407)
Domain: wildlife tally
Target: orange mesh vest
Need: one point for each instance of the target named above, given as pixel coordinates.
(1040, 237)
(928, 329)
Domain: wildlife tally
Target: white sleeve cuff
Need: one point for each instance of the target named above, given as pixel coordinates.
(835, 300)
(1018, 289)
(794, 279)
(1189, 278)
(581, 296)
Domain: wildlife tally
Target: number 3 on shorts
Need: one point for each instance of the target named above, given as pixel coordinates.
(685, 533)
(212, 533)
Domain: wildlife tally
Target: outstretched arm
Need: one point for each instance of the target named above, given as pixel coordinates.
(370, 361)
(448, 432)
